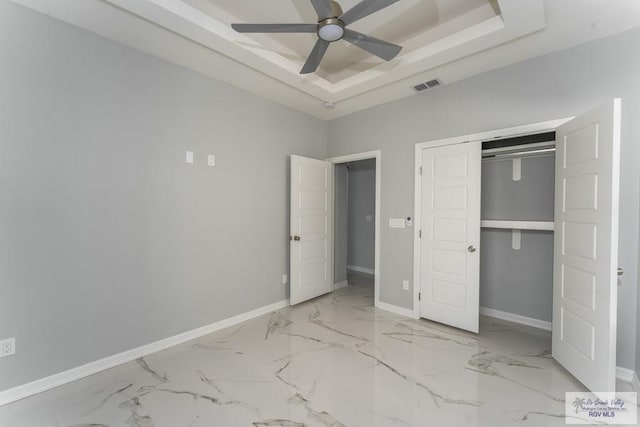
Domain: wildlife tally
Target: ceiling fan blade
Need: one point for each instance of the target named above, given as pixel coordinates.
(275, 28)
(379, 48)
(363, 9)
(313, 61)
(323, 8)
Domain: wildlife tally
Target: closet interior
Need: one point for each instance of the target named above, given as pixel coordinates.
(517, 222)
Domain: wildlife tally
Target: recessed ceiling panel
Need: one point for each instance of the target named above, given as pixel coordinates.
(409, 23)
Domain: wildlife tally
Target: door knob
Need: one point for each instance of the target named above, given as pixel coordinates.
(620, 272)
(471, 248)
(296, 238)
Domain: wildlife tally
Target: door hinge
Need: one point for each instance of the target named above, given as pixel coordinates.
(419, 296)
(420, 170)
(420, 234)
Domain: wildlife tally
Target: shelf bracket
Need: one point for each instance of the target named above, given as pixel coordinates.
(516, 239)
(517, 169)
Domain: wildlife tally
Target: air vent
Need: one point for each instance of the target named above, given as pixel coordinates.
(427, 85)
(433, 83)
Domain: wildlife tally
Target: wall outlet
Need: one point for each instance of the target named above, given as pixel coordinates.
(8, 347)
(285, 279)
(211, 160)
(405, 285)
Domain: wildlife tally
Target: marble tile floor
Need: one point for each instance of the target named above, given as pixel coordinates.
(331, 362)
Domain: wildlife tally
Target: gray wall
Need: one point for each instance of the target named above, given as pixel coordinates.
(108, 239)
(518, 281)
(530, 199)
(341, 212)
(561, 84)
(362, 202)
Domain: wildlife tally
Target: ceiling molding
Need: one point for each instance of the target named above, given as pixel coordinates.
(198, 26)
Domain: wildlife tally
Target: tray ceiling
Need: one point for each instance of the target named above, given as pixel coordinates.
(445, 39)
(410, 23)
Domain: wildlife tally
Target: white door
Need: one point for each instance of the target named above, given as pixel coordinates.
(450, 244)
(586, 246)
(311, 239)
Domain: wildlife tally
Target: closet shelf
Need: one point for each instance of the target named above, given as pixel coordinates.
(518, 225)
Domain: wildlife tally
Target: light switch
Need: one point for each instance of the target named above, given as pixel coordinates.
(405, 285)
(368, 218)
(189, 158)
(211, 160)
(396, 223)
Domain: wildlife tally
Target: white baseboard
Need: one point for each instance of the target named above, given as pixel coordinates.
(515, 318)
(56, 380)
(395, 309)
(340, 285)
(628, 376)
(360, 269)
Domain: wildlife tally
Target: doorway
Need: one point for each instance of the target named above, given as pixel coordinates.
(357, 221)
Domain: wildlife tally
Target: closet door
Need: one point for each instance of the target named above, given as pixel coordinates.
(586, 246)
(450, 258)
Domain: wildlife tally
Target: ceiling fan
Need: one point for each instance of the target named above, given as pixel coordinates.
(331, 27)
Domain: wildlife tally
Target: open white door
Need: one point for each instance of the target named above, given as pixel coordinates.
(311, 227)
(450, 211)
(586, 246)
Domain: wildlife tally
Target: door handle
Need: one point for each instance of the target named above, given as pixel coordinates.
(296, 238)
(471, 248)
(620, 271)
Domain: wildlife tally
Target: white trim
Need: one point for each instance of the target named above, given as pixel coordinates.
(511, 132)
(624, 374)
(627, 375)
(519, 225)
(395, 309)
(377, 154)
(56, 380)
(339, 285)
(361, 269)
(355, 157)
(516, 318)
(494, 134)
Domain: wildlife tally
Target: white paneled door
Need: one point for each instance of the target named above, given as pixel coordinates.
(450, 243)
(586, 246)
(311, 229)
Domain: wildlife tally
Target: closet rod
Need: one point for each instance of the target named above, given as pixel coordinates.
(520, 150)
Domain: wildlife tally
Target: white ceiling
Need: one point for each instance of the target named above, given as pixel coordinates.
(446, 39)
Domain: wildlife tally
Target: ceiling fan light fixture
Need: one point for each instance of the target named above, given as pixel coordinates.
(331, 30)
(331, 27)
